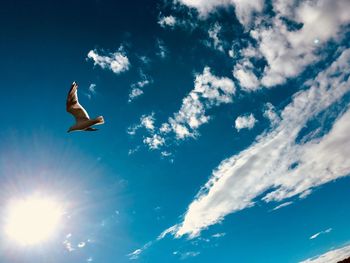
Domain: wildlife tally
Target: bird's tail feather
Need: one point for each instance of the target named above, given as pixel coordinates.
(100, 120)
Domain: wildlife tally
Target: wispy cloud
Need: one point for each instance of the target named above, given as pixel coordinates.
(167, 21)
(146, 121)
(117, 62)
(162, 50)
(320, 233)
(215, 42)
(282, 205)
(218, 235)
(186, 255)
(239, 180)
(332, 256)
(137, 88)
(209, 91)
(136, 253)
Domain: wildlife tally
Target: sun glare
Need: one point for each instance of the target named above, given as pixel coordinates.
(33, 220)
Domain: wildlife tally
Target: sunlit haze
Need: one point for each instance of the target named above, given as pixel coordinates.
(33, 220)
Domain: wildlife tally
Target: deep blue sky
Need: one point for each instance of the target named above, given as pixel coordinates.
(118, 202)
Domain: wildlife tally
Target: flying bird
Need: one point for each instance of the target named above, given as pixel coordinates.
(82, 119)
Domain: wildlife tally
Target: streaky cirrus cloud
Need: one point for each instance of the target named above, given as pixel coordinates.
(268, 163)
(332, 256)
(282, 205)
(117, 62)
(321, 233)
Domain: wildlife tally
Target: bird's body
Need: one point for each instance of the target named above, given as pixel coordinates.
(82, 119)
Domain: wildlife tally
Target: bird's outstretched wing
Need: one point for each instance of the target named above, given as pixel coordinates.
(73, 106)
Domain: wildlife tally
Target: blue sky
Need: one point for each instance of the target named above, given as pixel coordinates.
(225, 136)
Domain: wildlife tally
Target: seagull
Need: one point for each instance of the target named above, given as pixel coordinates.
(82, 119)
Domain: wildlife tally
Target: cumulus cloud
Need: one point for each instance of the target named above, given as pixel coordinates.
(244, 9)
(165, 21)
(146, 121)
(154, 142)
(209, 91)
(244, 74)
(268, 163)
(289, 51)
(245, 122)
(332, 256)
(285, 49)
(118, 62)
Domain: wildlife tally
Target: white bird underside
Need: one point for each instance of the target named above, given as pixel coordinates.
(82, 119)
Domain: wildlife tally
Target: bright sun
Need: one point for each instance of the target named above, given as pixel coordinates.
(32, 220)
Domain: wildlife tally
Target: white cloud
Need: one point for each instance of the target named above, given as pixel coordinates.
(209, 91)
(118, 62)
(154, 142)
(165, 21)
(240, 179)
(213, 33)
(134, 93)
(148, 121)
(136, 88)
(186, 255)
(91, 91)
(282, 205)
(218, 235)
(271, 114)
(246, 77)
(244, 9)
(288, 52)
(92, 88)
(320, 233)
(162, 50)
(245, 122)
(332, 256)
